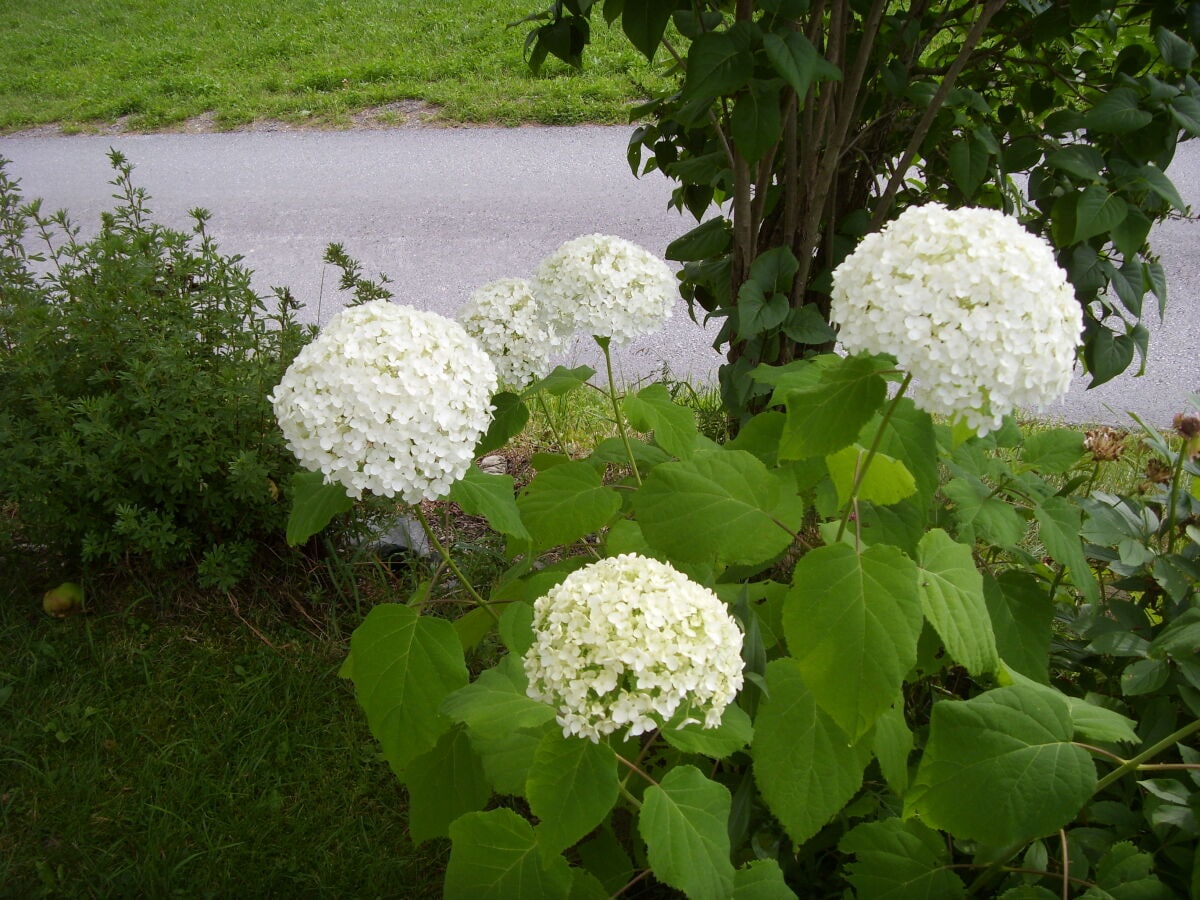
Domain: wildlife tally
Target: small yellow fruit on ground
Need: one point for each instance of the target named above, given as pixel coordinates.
(65, 600)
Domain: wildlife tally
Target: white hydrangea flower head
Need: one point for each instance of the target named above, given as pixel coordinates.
(605, 286)
(509, 324)
(387, 399)
(627, 642)
(969, 302)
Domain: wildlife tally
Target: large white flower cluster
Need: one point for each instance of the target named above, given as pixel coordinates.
(507, 320)
(627, 642)
(605, 286)
(970, 303)
(387, 399)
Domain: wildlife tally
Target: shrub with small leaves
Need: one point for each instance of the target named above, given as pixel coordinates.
(134, 372)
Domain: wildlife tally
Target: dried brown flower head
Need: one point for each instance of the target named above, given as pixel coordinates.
(1158, 472)
(1104, 443)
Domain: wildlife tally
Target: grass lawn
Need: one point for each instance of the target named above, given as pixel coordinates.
(146, 754)
(152, 64)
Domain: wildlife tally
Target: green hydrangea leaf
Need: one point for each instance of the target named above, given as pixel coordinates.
(1022, 615)
(952, 597)
(404, 665)
(910, 437)
(493, 497)
(851, 622)
(981, 515)
(495, 855)
(443, 784)
(1053, 451)
(886, 480)
(674, 426)
(504, 725)
(572, 786)
(1060, 522)
(828, 415)
(805, 766)
(507, 758)
(684, 822)
(719, 505)
(314, 504)
(496, 703)
(1000, 768)
(761, 880)
(564, 503)
(900, 860)
(509, 416)
(1089, 722)
(734, 733)
(892, 744)
(561, 381)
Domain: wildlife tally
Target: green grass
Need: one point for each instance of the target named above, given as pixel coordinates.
(143, 755)
(87, 63)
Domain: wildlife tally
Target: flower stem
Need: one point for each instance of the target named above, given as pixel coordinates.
(450, 564)
(1173, 498)
(1136, 763)
(634, 767)
(634, 801)
(612, 396)
(865, 462)
(558, 439)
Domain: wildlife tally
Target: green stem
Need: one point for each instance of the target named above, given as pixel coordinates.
(637, 804)
(865, 462)
(612, 396)
(1168, 767)
(634, 767)
(1173, 499)
(558, 439)
(1119, 760)
(450, 564)
(1132, 765)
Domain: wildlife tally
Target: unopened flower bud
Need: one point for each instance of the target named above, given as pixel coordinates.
(1187, 424)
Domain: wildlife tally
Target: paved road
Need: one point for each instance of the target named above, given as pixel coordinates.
(442, 211)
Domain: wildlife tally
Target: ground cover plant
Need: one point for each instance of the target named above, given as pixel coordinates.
(133, 373)
(154, 65)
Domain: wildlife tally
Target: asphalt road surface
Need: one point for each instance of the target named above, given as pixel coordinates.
(442, 211)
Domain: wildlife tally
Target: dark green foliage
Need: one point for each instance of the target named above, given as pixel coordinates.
(134, 374)
(803, 126)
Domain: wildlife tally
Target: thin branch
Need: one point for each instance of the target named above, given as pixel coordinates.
(931, 111)
(1066, 865)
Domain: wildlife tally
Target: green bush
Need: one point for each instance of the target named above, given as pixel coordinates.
(134, 372)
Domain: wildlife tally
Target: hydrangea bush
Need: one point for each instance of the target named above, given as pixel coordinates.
(816, 660)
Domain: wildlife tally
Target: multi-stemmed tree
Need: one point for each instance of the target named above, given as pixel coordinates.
(796, 126)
